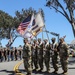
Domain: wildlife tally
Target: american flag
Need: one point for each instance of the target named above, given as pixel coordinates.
(23, 25)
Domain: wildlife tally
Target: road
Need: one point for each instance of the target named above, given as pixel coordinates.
(7, 68)
(71, 69)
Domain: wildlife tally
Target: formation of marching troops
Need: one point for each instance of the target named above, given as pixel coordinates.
(38, 53)
(9, 55)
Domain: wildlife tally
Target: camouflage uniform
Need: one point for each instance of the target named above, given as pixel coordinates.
(46, 54)
(63, 53)
(27, 57)
(34, 55)
(54, 55)
(40, 54)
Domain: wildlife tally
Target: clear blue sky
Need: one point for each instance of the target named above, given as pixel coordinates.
(54, 22)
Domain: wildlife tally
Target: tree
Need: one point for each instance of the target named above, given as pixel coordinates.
(9, 24)
(21, 15)
(67, 11)
(6, 24)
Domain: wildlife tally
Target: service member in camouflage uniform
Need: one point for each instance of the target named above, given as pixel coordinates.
(63, 53)
(54, 55)
(40, 54)
(27, 56)
(34, 55)
(46, 54)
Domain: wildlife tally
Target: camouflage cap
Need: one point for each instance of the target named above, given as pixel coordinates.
(39, 38)
(34, 40)
(53, 39)
(61, 39)
(45, 40)
(26, 39)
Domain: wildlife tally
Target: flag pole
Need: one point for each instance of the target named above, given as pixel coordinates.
(47, 33)
(36, 37)
(42, 35)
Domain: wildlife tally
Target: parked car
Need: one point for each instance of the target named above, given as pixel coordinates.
(72, 52)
